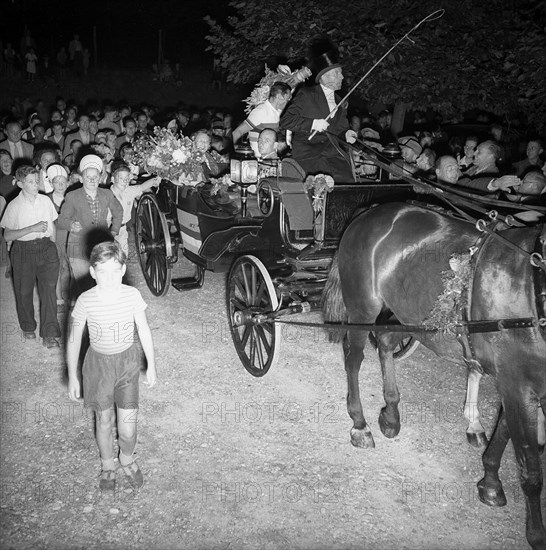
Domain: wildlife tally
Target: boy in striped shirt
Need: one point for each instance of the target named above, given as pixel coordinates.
(111, 366)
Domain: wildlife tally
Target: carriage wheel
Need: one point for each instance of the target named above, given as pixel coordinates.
(154, 245)
(250, 291)
(403, 349)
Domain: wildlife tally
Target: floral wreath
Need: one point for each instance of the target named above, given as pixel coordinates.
(320, 184)
(260, 93)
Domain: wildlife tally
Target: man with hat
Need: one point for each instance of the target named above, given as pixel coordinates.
(309, 112)
(84, 214)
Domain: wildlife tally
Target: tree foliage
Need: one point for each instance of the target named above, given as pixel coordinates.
(479, 55)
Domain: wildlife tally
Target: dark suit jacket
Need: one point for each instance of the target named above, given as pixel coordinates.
(28, 148)
(479, 181)
(318, 154)
(310, 103)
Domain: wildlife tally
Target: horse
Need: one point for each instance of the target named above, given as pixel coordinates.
(390, 263)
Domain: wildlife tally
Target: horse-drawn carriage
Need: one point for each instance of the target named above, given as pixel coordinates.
(277, 255)
(376, 255)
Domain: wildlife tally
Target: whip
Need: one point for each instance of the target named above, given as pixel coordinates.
(431, 17)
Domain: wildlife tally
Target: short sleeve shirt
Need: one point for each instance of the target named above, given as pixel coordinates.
(111, 323)
(21, 213)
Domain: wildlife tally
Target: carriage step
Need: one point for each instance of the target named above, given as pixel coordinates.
(190, 283)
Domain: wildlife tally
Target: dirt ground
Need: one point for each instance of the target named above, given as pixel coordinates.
(235, 462)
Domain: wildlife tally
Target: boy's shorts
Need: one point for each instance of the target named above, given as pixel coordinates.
(110, 380)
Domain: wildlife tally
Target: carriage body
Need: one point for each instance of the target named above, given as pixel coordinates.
(284, 245)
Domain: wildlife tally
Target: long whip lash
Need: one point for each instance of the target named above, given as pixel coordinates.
(431, 17)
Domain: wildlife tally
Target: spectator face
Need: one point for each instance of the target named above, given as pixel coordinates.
(57, 130)
(60, 183)
(6, 163)
(13, 130)
(355, 123)
(470, 149)
(449, 171)
(266, 142)
(142, 122)
(122, 179)
(56, 116)
(47, 159)
(39, 133)
(83, 123)
(483, 156)
(332, 79)
(127, 155)
(61, 105)
(202, 142)
(111, 140)
(533, 184)
(91, 180)
(124, 111)
(71, 114)
(29, 184)
(93, 126)
(75, 146)
(533, 150)
(408, 154)
(100, 137)
(423, 162)
(130, 129)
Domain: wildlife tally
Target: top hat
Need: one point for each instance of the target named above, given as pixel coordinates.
(323, 57)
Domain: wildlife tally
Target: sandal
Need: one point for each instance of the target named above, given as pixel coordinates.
(107, 480)
(133, 475)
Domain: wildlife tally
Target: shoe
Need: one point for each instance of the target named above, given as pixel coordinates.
(29, 335)
(107, 480)
(133, 475)
(51, 342)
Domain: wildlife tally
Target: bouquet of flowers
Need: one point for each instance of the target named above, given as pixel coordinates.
(320, 184)
(282, 74)
(171, 158)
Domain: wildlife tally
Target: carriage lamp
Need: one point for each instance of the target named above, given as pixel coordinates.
(244, 171)
(392, 152)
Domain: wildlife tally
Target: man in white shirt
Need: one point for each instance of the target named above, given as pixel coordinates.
(265, 115)
(28, 221)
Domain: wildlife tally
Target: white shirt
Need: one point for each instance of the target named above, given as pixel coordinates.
(262, 116)
(330, 97)
(21, 213)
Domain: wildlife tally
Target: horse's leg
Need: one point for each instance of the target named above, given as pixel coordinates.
(389, 418)
(353, 348)
(522, 419)
(475, 434)
(490, 488)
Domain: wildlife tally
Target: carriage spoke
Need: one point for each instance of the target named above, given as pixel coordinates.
(263, 339)
(246, 333)
(246, 285)
(240, 288)
(259, 350)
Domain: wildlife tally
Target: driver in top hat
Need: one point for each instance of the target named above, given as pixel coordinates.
(324, 153)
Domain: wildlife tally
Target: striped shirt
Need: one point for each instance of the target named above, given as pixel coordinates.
(111, 323)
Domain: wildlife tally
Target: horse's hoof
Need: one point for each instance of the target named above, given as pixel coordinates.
(477, 440)
(492, 496)
(388, 429)
(362, 438)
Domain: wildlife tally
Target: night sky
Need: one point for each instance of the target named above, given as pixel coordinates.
(127, 30)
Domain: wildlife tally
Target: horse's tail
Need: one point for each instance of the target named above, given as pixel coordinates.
(333, 307)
